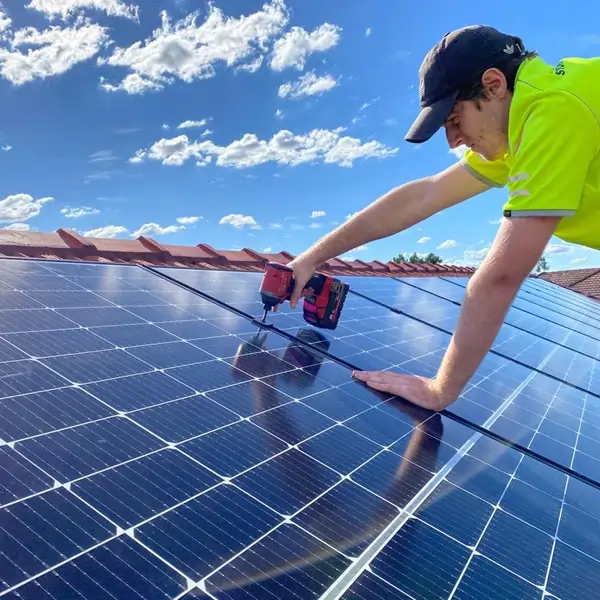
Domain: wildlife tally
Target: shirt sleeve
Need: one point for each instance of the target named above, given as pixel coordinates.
(492, 172)
(552, 156)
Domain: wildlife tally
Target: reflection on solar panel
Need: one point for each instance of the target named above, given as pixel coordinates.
(157, 443)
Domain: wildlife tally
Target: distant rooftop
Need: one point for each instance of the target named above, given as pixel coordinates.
(582, 281)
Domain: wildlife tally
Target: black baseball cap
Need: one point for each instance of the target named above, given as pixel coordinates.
(457, 60)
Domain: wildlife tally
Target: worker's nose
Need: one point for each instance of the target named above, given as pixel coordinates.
(454, 137)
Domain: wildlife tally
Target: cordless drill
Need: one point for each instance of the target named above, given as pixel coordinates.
(322, 304)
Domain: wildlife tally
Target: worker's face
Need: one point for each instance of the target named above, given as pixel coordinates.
(482, 124)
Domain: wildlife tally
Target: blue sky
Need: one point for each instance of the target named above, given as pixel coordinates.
(260, 127)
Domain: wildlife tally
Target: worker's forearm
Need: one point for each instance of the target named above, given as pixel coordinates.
(483, 310)
(397, 210)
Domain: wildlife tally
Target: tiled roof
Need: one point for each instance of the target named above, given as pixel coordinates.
(69, 245)
(583, 281)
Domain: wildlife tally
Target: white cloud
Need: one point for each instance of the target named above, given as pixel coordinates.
(238, 221)
(156, 229)
(496, 221)
(317, 213)
(309, 84)
(458, 152)
(471, 258)
(187, 51)
(423, 240)
(50, 52)
(102, 156)
(348, 258)
(6, 147)
(108, 231)
(361, 248)
(17, 227)
(292, 50)
(368, 31)
(279, 113)
(76, 213)
(284, 148)
(579, 260)
(67, 8)
(269, 249)
(558, 249)
(368, 103)
(187, 220)
(315, 225)
(275, 225)
(131, 84)
(252, 66)
(5, 20)
(166, 127)
(20, 207)
(191, 124)
(447, 244)
(352, 215)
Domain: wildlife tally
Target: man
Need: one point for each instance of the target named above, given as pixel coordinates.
(527, 125)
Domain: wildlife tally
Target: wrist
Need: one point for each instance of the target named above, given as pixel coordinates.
(447, 390)
(307, 260)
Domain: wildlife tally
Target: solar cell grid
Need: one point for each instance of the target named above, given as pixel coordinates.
(560, 361)
(524, 313)
(549, 290)
(219, 461)
(367, 338)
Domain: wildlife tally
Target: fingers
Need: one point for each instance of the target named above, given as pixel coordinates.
(380, 376)
(296, 294)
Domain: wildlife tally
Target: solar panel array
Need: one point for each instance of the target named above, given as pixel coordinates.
(157, 442)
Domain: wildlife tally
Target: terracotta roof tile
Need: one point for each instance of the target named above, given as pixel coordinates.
(68, 244)
(568, 278)
(590, 286)
(582, 281)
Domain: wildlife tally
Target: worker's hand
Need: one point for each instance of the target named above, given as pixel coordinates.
(304, 269)
(423, 392)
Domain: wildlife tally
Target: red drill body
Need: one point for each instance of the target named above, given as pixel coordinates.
(323, 301)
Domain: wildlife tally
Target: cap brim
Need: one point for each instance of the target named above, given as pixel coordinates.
(430, 119)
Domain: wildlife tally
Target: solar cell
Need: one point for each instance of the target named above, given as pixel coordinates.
(155, 444)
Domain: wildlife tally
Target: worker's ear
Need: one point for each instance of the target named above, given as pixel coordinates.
(494, 84)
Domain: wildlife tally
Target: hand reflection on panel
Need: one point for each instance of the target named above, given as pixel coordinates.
(344, 519)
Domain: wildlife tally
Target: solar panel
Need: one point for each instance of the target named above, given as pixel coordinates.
(156, 443)
(535, 409)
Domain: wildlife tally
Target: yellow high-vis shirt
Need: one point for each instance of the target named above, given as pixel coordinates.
(552, 166)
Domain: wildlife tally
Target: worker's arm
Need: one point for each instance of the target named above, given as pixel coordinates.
(396, 211)
(546, 180)
(518, 246)
(545, 184)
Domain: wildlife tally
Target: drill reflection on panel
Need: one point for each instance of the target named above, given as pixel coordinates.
(251, 357)
(322, 304)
